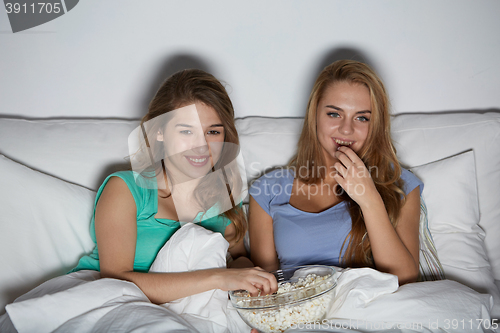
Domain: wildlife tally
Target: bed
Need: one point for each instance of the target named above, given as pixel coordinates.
(55, 165)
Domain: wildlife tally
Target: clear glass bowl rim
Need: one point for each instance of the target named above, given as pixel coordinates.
(268, 298)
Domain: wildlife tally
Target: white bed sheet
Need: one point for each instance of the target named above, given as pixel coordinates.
(365, 301)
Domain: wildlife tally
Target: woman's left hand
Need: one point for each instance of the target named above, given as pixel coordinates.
(353, 176)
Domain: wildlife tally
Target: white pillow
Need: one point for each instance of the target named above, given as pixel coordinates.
(450, 192)
(267, 142)
(44, 224)
(421, 138)
(80, 151)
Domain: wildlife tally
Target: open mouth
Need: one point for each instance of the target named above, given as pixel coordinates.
(197, 161)
(345, 143)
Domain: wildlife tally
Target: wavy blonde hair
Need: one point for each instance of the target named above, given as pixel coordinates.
(378, 153)
(187, 87)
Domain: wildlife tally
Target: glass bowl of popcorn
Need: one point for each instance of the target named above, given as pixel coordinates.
(304, 295)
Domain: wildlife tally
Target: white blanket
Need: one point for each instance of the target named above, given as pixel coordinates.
(371, 301)
(365, 301)
(79, 302)
(193, 248)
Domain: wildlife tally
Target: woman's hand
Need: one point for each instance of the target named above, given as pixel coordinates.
(255, 280)
(395, 250)
(353, 176)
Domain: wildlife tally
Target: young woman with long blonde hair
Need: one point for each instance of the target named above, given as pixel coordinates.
(343, 200)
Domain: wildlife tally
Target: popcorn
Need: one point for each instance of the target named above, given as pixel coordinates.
(278, 313)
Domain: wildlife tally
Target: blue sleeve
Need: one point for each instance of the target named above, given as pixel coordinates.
(259, 190)
(410, 181)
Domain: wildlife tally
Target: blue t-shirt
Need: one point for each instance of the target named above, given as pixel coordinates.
(303, 238)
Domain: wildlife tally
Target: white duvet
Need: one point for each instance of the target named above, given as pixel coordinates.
(365, 301)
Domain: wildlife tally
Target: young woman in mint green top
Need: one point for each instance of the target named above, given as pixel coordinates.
(152, 233)
(178, 176)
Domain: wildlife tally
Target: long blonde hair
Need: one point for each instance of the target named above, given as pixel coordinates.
(378, 153)
(187, 87)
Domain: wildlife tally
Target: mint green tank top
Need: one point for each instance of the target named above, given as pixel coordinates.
(152, 233)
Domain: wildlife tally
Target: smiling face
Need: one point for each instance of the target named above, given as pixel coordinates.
(193, 140)
(343, 118)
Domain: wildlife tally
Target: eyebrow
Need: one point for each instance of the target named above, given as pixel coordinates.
(340, 109)
(186, 125)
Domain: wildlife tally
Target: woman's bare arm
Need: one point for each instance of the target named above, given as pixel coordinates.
(116, 233)
(260, 228)
(395, 250)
